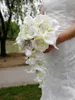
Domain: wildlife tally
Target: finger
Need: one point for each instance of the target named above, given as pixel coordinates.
(51, 46)
(48, 49)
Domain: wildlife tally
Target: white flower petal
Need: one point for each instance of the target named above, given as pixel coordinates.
(40, 69)
(28, 52)
(29, 71)
(33, 33)
(31, 61)
(29, 20)
(39, 44)
(40, 18)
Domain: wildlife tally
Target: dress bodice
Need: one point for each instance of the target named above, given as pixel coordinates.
(62, 10)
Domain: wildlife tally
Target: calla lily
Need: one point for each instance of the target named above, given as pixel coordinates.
(40, 18)
(20, 42)
(33, 32)
(29, 20)
(27, 32)
(28, 52)
(31, 61)
(39, 44)
(40, 69)
(50, 38)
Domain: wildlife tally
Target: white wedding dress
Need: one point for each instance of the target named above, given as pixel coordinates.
(59, 80)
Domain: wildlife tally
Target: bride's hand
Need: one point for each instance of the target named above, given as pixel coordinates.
(64, 36)
(50, 47)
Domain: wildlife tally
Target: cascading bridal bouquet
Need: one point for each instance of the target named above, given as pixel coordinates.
(35, 35)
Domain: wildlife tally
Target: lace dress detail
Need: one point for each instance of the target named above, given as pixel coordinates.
(59, 81)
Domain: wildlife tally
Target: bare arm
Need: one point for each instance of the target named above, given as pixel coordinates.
(66, 35)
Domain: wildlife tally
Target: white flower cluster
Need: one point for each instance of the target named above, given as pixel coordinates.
(35, 36)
